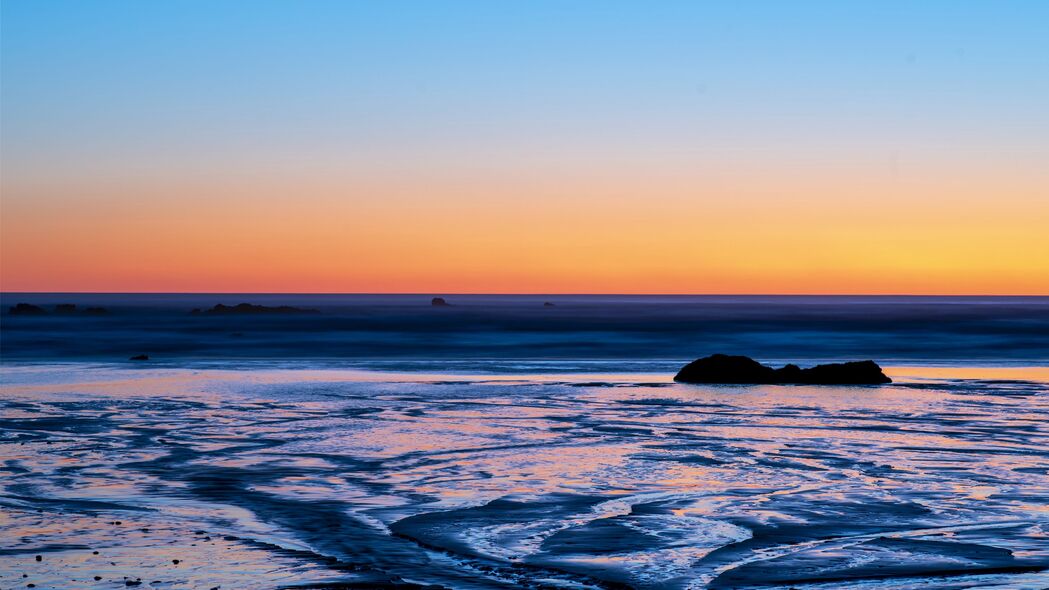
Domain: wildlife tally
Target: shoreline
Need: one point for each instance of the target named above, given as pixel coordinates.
(276, 476)
(540, 371)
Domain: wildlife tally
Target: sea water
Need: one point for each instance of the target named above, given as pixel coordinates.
(454, 464)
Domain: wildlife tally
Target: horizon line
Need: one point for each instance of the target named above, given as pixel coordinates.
(528, 294)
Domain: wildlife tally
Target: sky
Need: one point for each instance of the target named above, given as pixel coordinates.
(525, 147)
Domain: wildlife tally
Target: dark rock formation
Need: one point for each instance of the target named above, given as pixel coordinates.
(439, 302)
(139, 357)
(854, 373)
(721, 368)
(248, 308)
(547, 304)
(65, 308)
(26, 309)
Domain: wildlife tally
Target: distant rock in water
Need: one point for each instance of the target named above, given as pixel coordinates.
(248, 308)
(547, 304)
(722, 368)
(65, 308)
(439, 302)
(139, 357)
(26, 309)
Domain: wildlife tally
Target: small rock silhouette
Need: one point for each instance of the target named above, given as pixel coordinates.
(26, 309)
(248, 308)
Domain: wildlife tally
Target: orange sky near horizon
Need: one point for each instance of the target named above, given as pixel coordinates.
(733, 228)
(807, 147)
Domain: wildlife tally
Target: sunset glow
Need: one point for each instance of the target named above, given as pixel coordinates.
(475, 294)
(540, 149)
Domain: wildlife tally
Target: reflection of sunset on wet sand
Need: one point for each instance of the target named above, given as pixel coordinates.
(276, 475)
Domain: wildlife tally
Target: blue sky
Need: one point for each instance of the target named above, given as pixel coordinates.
(106, 102)
(745, 72)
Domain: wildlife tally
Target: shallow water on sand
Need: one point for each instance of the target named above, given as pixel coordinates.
(265, 476)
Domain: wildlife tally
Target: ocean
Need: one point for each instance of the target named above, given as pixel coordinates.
(497, 442)
(625, 328)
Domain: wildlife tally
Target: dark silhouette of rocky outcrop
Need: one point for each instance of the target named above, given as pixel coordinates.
(439, 302)
(26, 309)
(60, 309)
(547, 304)
(139, 357)
(248, 308)
(721, 368)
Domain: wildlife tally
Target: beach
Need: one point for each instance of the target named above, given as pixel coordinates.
(541, 474)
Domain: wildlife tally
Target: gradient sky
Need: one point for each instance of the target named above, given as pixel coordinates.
(626, 147)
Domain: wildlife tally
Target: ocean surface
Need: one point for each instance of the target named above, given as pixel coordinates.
(500, 443)
(629, 328)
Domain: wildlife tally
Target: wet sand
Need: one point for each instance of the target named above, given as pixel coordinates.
(271, 476)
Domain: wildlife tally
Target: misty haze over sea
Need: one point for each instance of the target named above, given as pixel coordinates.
(613, 327)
